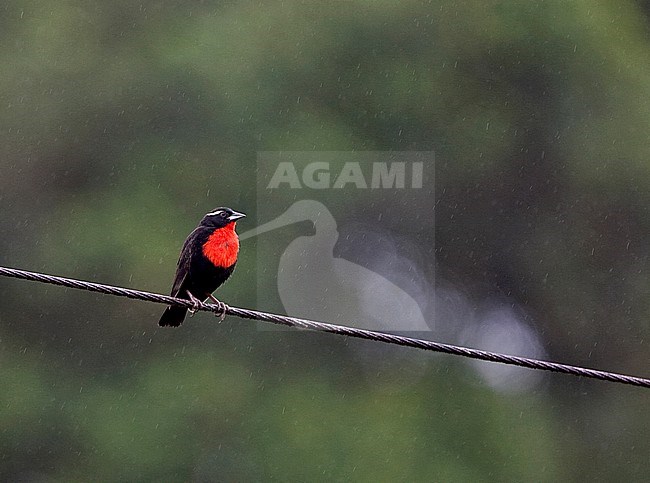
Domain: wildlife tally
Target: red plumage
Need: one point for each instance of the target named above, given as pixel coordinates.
(222, 246)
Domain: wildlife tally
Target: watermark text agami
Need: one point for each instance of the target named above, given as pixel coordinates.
(375, 175)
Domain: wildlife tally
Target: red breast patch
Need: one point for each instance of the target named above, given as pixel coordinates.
(222, 246)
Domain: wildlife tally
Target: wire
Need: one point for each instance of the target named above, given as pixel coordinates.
(332, 328)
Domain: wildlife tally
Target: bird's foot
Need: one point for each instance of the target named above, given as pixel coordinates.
(196, 302)
(222, 307)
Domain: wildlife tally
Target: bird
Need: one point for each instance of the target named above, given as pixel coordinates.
(207, 259)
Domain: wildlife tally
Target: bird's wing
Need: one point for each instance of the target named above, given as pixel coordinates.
(183, 266)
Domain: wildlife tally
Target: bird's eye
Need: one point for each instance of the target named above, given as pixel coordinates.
(223, 214)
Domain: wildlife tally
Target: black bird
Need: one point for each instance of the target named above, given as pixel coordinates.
(207, 259)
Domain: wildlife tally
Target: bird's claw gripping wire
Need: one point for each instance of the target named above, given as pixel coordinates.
(195, 302)
(223, 308)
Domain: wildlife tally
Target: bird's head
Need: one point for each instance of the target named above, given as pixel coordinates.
(220, 217)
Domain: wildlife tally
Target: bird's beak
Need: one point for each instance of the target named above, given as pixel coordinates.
(236, 216)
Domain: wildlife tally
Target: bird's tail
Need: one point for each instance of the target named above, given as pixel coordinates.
(173, 316)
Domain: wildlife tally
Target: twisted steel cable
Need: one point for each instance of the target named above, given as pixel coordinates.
(332, 328)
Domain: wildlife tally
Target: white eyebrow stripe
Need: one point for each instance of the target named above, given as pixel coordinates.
(214, 213)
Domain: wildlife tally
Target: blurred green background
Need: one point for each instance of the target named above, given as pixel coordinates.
(121, 123)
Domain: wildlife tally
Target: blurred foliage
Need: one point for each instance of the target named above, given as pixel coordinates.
(123, 122)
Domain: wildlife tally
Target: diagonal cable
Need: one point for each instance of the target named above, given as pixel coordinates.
(332, 328)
